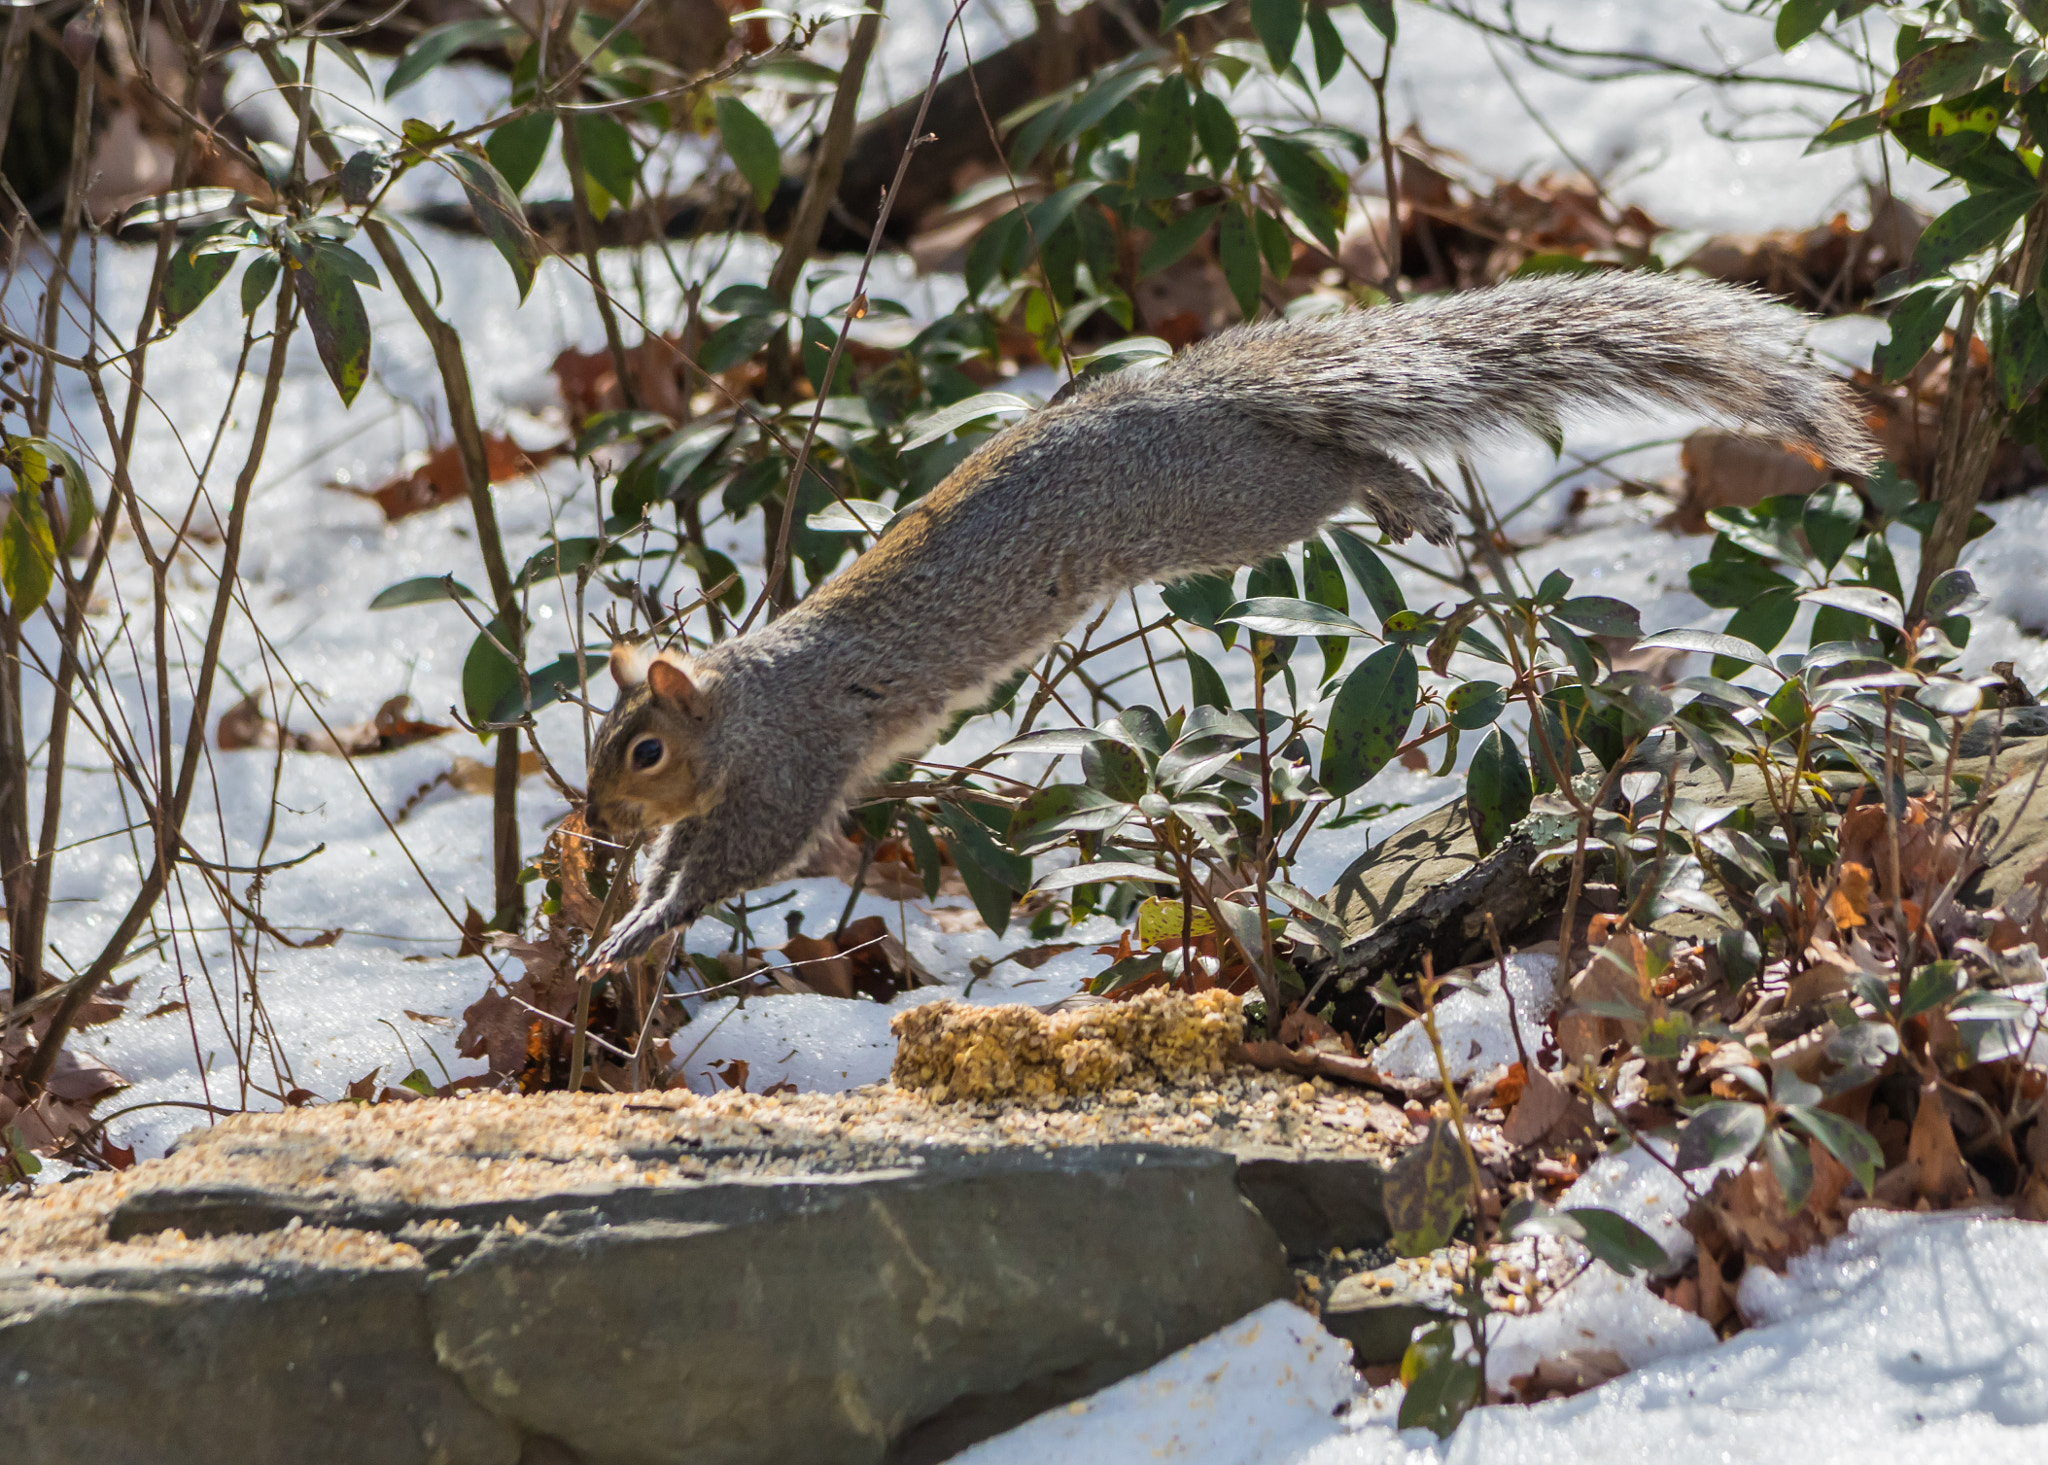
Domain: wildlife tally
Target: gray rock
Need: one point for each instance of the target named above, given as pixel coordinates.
(330, 1367)
(891, 1315)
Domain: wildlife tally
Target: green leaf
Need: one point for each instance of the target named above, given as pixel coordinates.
(1101, 871)
(42, 456)
(1846, 1141)
(1619, 1242)
(1763, 623)
(1425, 1192)
(2019, 346)
(1103, 96)
(1167, 134)
(1323, 582)
(1216, 129)
(751, 144)
(1859, 600)
(1202, 600)
(189, 279)
(517, 149)
(737, 341)
(438, 44)
(661, 471)
(1800, 19)
(28, 556)
(930, 865)
(1476, 705)
(550, 561)
(1238, 250)
(1278, 23)
(993, 874)
(1930, 987)
(1941, 72)
(1724, 1129)
(1916, 323)
(1329, 46)
(1170, 244)
(1382, 590)
(546, 683)
(1205, 685)
(1381, 14)
(1276, 242)
(496, 204)
(335, 315)
(1713, 643)
(1497, 789)
(1601, 615)
(1369, 718)
(608, 159)
(1116, 769)
(1951, 590)
(951, 419)
(1275, 615)
(421, 589)
(1980, 220)
(1312, 187)
(257, 280)
(1833, 520)
(1442, 1388)
(488, 679)
(173, 208)
(1065, 808)
(1792, 1165)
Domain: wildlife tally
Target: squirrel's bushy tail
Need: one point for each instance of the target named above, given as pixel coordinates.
(1451, 373)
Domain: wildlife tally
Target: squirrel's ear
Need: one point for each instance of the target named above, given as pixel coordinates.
(629, 665)
(672, 683)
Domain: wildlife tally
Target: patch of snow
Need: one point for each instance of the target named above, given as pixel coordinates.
(1264, 1388)
(1913, 1337)
(1473, 1024)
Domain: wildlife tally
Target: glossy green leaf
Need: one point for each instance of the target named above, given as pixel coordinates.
(1497, 789)
(1328, 45)
(1426, 1192)
(488, 678)
(1442, 1388)
(1098, 872)
(608, 159)
(1724, 1129)
(496, 204)
(1369, 718)
(994, 875)
(1278, 23)
(1238, 250)
(518, 148)
(1600, 615)
(28, 557)
(1166, 136)
(432, 47)
(1833, 520)
(1916, 324)
(1202, 600)
(1216, 130)
(736, 341)
(421, 590)
(1382, 590)
(751, 144)
(1981, 220)
(257, 281)
(1860, 600)
(335, 315)
(1792, 1166)
(1800, 19)
(1476, 705)
(1381, 14)
(1848, 1142)
(1274, 615)
(190, 278)
(1617, 1241)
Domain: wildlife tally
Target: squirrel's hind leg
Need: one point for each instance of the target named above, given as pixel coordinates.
(1400, 500)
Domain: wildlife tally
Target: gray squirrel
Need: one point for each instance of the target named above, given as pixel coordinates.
(742, 754)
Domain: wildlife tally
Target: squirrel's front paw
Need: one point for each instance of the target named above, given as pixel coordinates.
(641, 928)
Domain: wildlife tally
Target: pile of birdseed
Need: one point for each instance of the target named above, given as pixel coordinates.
(953, 1051)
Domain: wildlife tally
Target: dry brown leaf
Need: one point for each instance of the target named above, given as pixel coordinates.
(440, 480)
(1941, 1179)
(1544, 1101)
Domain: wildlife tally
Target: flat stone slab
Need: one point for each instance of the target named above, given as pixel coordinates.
(660, 1277)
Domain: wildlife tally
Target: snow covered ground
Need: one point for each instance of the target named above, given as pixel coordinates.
(1909, 1338)
(1906, 1336)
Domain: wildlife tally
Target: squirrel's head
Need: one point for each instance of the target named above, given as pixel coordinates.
(647, 761)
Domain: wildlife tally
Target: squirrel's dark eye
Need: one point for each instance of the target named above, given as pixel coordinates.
(646, 753)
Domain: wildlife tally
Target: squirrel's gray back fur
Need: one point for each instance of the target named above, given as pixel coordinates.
(1221, 457)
